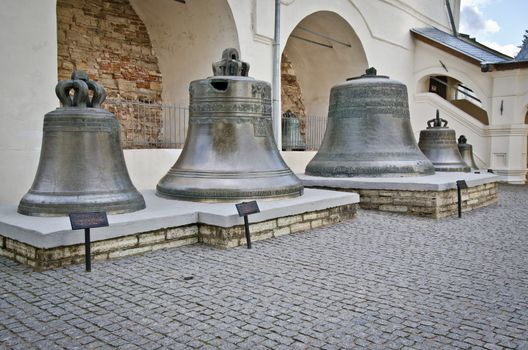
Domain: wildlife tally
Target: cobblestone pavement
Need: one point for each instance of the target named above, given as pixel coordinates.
(380, 281)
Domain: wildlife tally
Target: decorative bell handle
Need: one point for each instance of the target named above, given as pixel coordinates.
(437, 122)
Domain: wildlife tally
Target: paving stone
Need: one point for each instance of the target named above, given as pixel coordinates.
(379, 281)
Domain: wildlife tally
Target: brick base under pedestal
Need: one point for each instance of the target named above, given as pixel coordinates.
(223, 237)
(433, 204)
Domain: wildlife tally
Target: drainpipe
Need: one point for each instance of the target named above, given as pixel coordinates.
(276, 108)
(451, 18)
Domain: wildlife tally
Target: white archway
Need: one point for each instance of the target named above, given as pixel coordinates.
(324, 50)
(421, 78)
(187, 38)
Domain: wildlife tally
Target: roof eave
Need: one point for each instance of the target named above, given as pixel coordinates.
(502, 66)
(445, 48)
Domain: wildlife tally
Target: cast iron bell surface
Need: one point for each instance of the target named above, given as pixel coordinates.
(81, 167)
(292, 139)
(369, 132)
(438, 143)
(229, 153)
(466, 151)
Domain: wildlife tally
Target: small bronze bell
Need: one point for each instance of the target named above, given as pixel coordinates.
(438, 143)
(292, 140)
(466, 151)
(229, 153)
(369, 132)
(81, 167)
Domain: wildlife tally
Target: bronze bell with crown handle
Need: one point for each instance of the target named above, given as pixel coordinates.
(368, 133)
(229, 153)
(438, 143)
(292, 139)
(81, 167)
(466, 151)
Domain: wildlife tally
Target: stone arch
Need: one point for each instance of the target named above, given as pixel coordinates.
(187, 38)
(479, 112)
(316, 50)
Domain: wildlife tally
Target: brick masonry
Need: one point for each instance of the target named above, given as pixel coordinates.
(107, 39)
(291, 93)
(222, 237)
(433, 204)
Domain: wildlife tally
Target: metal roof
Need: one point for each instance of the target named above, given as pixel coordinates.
(463, 44)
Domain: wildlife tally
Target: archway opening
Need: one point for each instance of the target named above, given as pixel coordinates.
(457, 93)
(145, 53)
(322, 51)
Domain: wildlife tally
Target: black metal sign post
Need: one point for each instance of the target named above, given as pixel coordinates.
(245, 209)
(86, 221)
(461, 185)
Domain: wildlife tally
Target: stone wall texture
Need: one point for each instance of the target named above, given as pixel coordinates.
(107, 39)
(291, 93)
(432, 204)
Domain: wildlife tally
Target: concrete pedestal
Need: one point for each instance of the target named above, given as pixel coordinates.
(47, 242)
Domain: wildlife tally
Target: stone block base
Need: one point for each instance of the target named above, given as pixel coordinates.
(223, 237)
(47, 258)
(227, 237)
(433, 204)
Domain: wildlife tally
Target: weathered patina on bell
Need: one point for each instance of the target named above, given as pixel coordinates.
(466, 151)
(292, 139)
(369, 132)
(229, 153)
(81, 167)
(438, 143)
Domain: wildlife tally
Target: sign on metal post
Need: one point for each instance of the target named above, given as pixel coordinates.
(461, 185)
(244, 209)
(86, 221)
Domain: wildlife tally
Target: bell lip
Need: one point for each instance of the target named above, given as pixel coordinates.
(424, 168)
(34, 207)
(45, 212)
(207, 198)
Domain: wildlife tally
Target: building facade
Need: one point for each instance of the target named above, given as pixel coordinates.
(151, 50)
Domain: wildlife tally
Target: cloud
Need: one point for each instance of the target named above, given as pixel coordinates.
(472, 20)
(509, 49)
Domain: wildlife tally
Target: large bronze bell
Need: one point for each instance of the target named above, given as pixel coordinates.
(292, 139)
(81, 167)
(466, 151)
(229, 153)
(438, 143)
(369, 132)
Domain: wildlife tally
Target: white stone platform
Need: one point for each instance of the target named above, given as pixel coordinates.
(432, 196)
(440, 181)
(44, 242)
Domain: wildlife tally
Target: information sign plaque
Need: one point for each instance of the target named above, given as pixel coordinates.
(87, 221)
(81, 221)
(245, 209)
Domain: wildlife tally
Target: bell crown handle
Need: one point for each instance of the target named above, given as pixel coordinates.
(231, 64)
(437, 122)
(81, 86)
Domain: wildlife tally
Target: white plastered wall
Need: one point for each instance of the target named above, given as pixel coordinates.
(187, 39)
(28, 67)
(500, 146)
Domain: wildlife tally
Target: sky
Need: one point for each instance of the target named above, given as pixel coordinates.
(499, 24)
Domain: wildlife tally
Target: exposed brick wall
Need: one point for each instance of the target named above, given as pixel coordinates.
(107, 39)
(291, 94)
